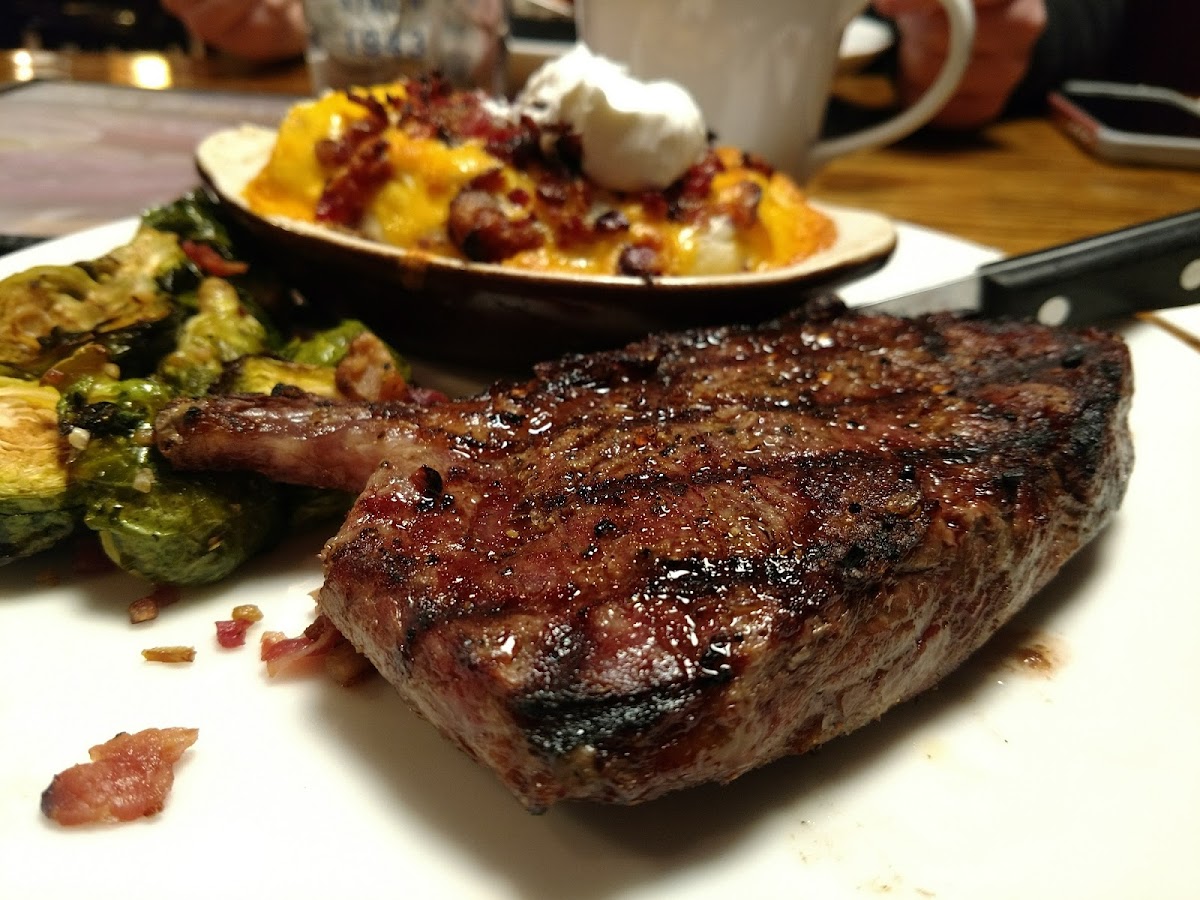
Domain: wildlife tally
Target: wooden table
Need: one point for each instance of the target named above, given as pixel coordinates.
(1016, 186)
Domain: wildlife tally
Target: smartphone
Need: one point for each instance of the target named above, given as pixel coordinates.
(1130, 123)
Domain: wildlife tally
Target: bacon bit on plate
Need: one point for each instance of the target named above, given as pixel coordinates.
(210, 262)
(169, 654)
(320, 645)
(128, 778)
(231, 633)
(146, 608)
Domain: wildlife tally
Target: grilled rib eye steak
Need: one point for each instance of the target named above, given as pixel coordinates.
(669, 564)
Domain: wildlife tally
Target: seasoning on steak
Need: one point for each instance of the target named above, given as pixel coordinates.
(669, 564)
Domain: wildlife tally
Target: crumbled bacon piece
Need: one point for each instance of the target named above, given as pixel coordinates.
(368, 371)
(687, 199)
(553, 193)
(320, 645)
(480, 229)
(176, 654)
(757, 163)
(143, 609)
(491, 181)
(566, 209)
(231, 633)
(377, 109)
(346, 195)
(286, 656)
(697, 181)
(128, 777)
(358, 161)
(742, 204)
(206, 258)
(655, 204)
(639, 260)
(611, 222)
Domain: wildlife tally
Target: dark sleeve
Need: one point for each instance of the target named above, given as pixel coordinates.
(1080, 41)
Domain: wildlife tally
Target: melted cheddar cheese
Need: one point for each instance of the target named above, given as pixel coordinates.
(732, 215)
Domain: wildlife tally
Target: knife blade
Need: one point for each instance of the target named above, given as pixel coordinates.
(1153, 265)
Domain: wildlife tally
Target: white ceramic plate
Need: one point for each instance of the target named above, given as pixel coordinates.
(1077, 782)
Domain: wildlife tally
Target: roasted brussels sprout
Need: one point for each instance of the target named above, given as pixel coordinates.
(222, 330)
(37, 509)
(166, 527)
(117, 300)
(331, 346)
(264, 374)
(196, 219)
(89, 353)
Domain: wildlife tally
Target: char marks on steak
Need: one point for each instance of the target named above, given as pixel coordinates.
(669, 564)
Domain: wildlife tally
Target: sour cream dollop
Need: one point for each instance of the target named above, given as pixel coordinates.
(635, 135)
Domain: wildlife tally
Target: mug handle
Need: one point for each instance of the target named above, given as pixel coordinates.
(961, 14)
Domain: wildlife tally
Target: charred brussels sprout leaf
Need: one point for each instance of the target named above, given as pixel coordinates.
(195, 216)
(49, 311)
(197, 220)
(37, 509)
(163, 526)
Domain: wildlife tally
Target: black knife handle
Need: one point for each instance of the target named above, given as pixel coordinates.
(1155, 265)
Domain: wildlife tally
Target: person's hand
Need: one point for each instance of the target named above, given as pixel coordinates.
(252, 29)
(1005, 34)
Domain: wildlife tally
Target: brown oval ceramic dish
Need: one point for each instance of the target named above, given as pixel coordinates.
(489, 315)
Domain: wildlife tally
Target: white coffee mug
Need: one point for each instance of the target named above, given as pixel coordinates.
(761, 70)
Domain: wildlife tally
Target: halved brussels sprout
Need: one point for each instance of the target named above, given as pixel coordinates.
(331, 346)
(166, 527)
(263, 374)
(36, 504)
(117, 300)
(222, 330)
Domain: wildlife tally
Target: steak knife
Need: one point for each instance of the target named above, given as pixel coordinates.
(1154, 265)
